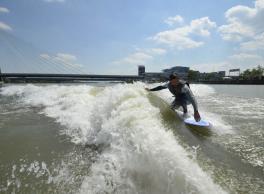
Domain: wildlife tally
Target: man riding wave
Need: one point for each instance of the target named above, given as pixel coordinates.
(182, 93)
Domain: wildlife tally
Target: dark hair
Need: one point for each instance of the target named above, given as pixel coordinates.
(173, 76)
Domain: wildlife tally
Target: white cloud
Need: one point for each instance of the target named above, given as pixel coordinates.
(256, 44)
(211, 67)
(245, 60)
(137, 58)
(243, 22)
(242, 57)
(152, 51)
(259, 4)
(157, 51)
(240, 60)
(174, 20)
(180, 38)
(62, 58)
(51, 1)
(202, 26)
(4, 10)
(144, 56)
(66, 57)
(5, 27)
(141, 56)
(45, 56)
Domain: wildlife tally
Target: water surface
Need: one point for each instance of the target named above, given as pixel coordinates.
(119, 138)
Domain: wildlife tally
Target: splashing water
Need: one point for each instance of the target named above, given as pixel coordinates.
(131, 150)
(139, 153)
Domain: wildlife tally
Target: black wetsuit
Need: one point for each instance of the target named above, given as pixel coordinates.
(182, 93)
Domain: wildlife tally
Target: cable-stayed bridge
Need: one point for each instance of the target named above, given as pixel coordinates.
(20, 61)
(39, 77)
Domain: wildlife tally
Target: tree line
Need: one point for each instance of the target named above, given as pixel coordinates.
(253, 74)
(249, 74)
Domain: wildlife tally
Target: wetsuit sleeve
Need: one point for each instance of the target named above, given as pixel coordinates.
(159, 87)
(190, 97)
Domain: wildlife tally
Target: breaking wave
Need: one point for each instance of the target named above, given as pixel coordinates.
(139, 154)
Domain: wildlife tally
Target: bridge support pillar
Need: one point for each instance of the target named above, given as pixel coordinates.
(1, 78)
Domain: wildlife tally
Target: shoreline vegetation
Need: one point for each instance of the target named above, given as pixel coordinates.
(232, 82)
(253, 76)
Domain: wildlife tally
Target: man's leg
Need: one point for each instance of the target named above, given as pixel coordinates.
(175, 104)
(184, 106)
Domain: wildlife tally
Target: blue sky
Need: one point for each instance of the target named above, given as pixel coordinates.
(113, 37)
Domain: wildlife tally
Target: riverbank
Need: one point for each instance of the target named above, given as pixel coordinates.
(238, 82)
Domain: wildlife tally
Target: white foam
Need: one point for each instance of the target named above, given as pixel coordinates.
(15, 182)
(141, 151)
(197, 89)
(141, 156)
(70, 106)
(203, 91)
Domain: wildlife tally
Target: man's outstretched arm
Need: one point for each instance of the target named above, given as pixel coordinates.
(157, 88)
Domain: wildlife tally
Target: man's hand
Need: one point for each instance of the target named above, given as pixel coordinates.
(197, 116)
(147, 89)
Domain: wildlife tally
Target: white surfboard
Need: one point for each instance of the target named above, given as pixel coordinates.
(201, 123)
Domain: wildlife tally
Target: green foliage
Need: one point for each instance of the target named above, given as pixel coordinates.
(193, 75)
(255, 73)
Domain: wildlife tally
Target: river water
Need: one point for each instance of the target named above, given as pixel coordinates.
(119, 138)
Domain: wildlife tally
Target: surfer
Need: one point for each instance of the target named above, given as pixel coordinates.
(182, 93)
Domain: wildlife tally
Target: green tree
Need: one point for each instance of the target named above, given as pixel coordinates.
(246, 74)
(255, 73)
(193, 75)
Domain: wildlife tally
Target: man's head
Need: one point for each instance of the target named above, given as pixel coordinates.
(174, 79)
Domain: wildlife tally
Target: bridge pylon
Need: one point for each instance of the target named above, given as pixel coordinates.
(1, 78)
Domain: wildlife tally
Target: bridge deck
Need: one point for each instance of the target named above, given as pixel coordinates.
(68, 75)
(41, 77)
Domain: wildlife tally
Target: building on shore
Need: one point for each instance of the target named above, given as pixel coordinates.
(164, 75)
(155, 76)
(141, 70)
(212, 76)
(150, 76)
(221, 73)
(181, 71)
(1, 79)
(234, 72)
